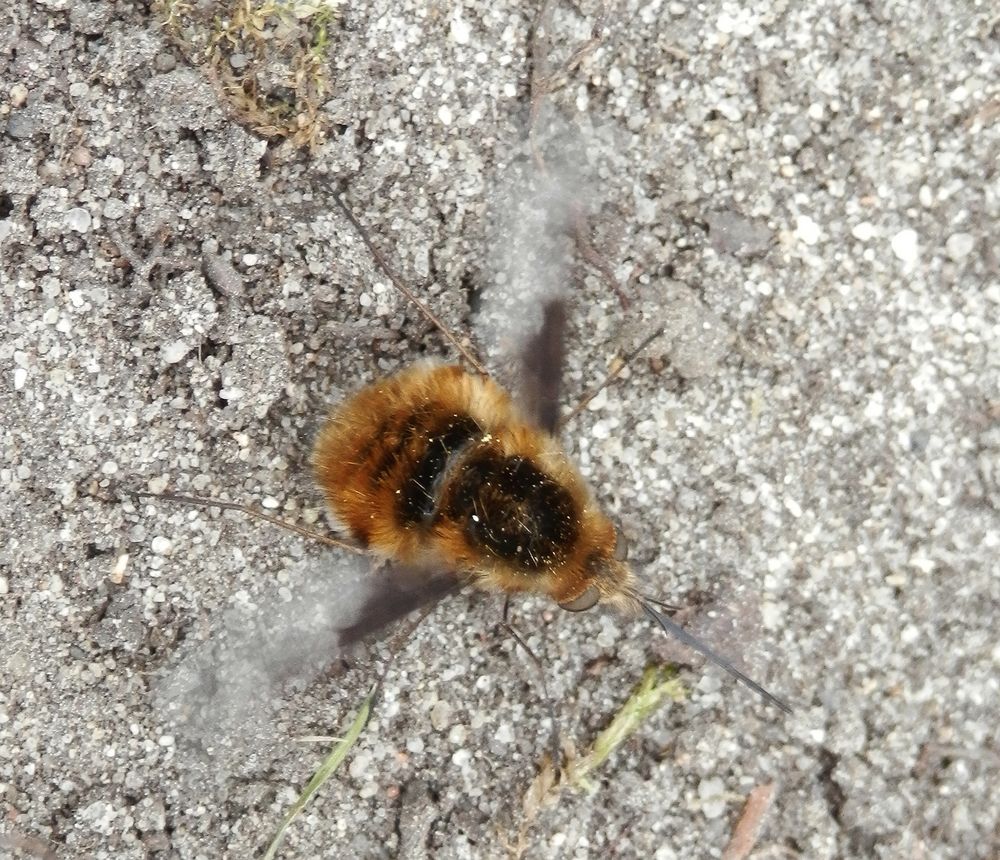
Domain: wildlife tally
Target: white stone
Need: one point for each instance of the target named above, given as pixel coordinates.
(906, 246)
(599, 401)
(78, 219)
(864, 231)
(161, 545)
(174, 351)
(807, 230)
(460, 30)
(960, 245)
(711, 792)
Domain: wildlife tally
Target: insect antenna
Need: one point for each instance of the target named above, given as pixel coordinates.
(197, 502)
(666, 607)
(411, 297)
(671, 628)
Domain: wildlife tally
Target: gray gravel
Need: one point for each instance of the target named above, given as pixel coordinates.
(808, 460)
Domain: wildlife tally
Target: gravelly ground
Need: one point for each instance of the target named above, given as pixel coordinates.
(807, 196)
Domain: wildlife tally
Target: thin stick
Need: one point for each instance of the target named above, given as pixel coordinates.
(748, 827)
(410, 296)
(611, 377)
(542, 82)
(590, 254)
(253, 512)
(537, 83)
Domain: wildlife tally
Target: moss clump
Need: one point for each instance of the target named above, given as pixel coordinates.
(268, 58)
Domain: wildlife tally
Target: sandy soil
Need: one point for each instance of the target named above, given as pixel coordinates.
(808, 461)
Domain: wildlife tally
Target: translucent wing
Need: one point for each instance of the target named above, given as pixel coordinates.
(222, 692)
(522, 316)
(393, 592)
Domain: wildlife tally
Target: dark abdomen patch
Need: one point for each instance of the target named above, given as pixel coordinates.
(513, 510)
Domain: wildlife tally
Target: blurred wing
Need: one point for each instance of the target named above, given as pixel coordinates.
(393, 592)
(221, 690)
(521, 317)
(542, 366)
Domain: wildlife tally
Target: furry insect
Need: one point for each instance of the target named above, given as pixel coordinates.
(438, 472)
(436, 468)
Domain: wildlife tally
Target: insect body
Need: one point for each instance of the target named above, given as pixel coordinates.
(439, 473)
(437, 467)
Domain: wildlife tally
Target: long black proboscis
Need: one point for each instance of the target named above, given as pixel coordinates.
(671, 628)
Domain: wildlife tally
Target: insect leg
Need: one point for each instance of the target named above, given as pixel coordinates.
(197, 502)
(554, 742)
(411, 297)
(613, 374)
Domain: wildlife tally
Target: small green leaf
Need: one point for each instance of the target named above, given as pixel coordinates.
(658, 683)
(323, 773)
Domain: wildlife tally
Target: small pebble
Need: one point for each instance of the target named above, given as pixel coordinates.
(174, 351)
(460, 31)
(711, 793)
(20, 127)
(864, 231)
(599, 401)
(960, 245)
(440, 715)
(78, 219)
(164, 62)
(114, 209)
(18, 95)
(905, 246)
(80, 156)
(161, 545)
(807, 230)
(504, 734)
(117, 574)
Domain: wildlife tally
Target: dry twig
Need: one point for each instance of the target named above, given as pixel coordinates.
(748, 825)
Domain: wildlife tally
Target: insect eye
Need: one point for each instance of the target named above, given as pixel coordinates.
(584, 602)
(621, 547)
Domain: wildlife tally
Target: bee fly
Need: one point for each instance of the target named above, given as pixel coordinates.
(436, 471)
